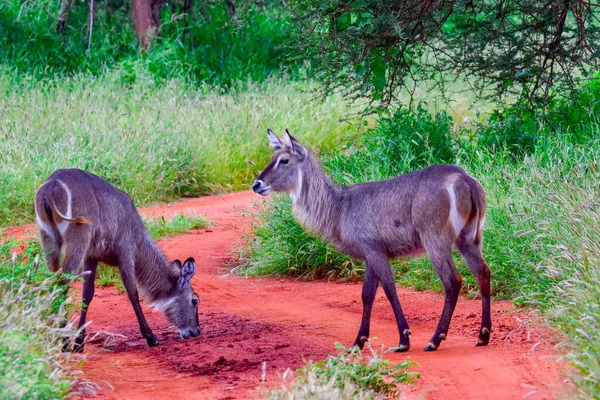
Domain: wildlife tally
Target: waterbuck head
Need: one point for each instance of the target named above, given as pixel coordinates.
(284, 172)
(181, 307)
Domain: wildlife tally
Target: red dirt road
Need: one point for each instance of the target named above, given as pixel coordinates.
(246, 322)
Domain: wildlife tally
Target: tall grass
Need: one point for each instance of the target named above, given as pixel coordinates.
(158, 142)
(32, 308)
(542, 226)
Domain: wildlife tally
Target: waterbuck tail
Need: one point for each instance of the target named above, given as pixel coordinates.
(478, 210)
(51, 209)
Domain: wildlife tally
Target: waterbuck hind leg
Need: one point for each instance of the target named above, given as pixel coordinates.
(471, 252)
(89, 277)
(441, 258)
(52, 248)
(369, 290)
(77, 240)
(126, 269)
(383, 270)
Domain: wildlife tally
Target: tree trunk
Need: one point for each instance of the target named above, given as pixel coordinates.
(145, 24)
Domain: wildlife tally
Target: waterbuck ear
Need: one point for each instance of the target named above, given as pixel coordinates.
(297, 148)
(187, 271)
(276, 143)
(176, 263)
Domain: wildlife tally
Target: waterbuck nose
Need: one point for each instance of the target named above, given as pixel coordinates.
(195, 332)
(256, 186)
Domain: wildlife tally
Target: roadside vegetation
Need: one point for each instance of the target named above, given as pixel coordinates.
(351, 374)
(32, 307)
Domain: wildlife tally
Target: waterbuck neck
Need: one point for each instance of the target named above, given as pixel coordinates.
(153, 274)
(317, 201)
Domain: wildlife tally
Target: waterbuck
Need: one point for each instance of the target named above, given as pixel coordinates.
(95, 222)
(426, 211)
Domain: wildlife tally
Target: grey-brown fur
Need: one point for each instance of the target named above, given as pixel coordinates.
(92, 221)
(426, 211)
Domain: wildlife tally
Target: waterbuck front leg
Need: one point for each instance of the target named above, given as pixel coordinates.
(89, 277)
(127, 275)
(441, 258)
(369, 290)
(382, 268)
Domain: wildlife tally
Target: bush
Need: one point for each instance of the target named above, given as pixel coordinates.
(219, 52)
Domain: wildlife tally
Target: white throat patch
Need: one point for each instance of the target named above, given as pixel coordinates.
(295, 194)
(162, 305)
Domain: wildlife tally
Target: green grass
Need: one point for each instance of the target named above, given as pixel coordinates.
(347, 375)
(157, 142)
(32, 364)
(540, 174)
(158, 228)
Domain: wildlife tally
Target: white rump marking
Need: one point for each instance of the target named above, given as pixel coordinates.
(42, 225)
(63, 225)
(457, 221)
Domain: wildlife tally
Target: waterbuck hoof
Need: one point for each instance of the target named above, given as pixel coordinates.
(484, 337)
(402, 349)
(430, 347)
(152, 341)
(360, 342)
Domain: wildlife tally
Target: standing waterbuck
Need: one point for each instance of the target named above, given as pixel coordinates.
(95, 222)
(428, 210)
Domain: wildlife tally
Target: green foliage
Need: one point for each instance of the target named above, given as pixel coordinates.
(278, 245)
(517, 129)
(217, 51)
(348, 375)
(367, 372)
(32, 364)
(157, 142)
(377, 48)
(402, 142)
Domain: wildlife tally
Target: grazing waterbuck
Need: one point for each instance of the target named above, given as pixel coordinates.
(95, 222)
(425, 211)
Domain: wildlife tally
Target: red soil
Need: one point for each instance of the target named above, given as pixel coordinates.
(246, 322)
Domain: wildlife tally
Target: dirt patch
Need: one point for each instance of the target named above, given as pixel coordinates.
(248, 322)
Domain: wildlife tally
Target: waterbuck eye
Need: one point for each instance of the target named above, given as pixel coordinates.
(194, 302)
(284, 161)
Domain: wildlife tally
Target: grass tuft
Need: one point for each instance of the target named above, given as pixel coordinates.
(348, 375)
